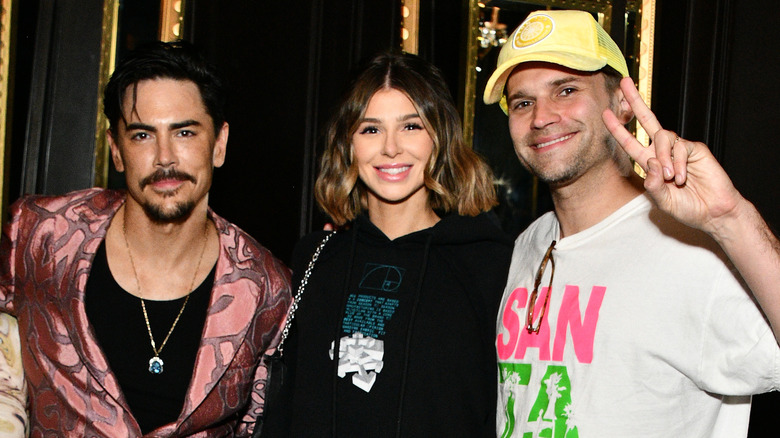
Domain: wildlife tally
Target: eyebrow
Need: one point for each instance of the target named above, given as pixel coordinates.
(552, 84)
(402, 118)
(184, 124)
(177, 125)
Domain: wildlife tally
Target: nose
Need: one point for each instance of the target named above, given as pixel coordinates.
(545, 114)
(391, 146)
(166, 155)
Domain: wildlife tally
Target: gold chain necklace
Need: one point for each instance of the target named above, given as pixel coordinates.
(155, 363)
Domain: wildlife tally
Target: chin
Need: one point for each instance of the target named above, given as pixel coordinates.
(177, 213)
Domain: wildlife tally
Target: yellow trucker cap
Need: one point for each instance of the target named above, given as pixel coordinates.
(572, 39)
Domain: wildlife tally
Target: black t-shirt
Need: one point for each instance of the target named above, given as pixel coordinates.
(118, 322)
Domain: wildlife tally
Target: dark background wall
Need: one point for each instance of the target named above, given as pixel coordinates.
(54, 109)
(287, 73)
(715, 75)
(713, 68)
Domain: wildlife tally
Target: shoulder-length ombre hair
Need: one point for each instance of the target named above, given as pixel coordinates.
(456, 177)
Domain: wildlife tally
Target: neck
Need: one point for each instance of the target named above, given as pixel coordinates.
(396, 220)
(160, 261)
(153, 237)
(589, 200)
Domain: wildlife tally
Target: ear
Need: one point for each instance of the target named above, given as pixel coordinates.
(116, 155)
(220, 145)
(622, 110)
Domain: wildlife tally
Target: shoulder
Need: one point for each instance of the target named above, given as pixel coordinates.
(242, 250)
(97, 201)
(305, 247)
(655, 230)
(480, 240)
(482, 229)
(89, 210)
(540, 229)
(476, 244)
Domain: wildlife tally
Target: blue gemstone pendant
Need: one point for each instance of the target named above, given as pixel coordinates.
(155, 365)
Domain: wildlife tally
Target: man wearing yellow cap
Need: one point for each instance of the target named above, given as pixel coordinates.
(629, 311)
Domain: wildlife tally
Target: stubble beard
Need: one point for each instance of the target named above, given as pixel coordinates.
(579, 164)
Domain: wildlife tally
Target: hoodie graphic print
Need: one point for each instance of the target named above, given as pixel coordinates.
(396, 337)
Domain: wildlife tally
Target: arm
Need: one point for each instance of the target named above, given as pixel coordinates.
(685, 180)
(270, 373)
(248, 423)
(13, 389)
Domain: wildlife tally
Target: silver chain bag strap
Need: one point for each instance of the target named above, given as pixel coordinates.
(275, 419)
(299, 292)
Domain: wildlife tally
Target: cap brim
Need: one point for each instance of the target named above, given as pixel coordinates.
(495, 84)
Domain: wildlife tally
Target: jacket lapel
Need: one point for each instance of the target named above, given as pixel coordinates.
(97, 214)
(233, 303)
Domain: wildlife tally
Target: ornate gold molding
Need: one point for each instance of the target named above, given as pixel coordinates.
(470, 76)
(646, 50)
(5, 60)
(107, 63)
(171, 19)
(410, 24)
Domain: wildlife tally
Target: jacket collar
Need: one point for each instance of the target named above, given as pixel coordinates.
(231, 307)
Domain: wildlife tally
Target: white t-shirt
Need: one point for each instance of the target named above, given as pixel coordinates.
(647, 326)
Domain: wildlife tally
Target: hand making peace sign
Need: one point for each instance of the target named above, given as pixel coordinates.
(683, 177)
(686, 181)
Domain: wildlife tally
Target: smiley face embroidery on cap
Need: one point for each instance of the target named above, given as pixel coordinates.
(532, 31)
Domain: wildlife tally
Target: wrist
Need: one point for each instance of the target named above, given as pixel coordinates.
(735, 224)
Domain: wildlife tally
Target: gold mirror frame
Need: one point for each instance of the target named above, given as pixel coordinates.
(107, 64)
(169, 29)
(410, 22)
(642, 50)
(5, 61)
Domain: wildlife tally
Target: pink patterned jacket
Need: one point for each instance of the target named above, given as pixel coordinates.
(45, 258)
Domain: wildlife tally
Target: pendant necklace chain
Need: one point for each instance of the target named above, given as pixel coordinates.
(155, 363)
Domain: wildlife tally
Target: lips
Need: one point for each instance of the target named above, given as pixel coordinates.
(553, 141)
(167, 184)
(393, 172)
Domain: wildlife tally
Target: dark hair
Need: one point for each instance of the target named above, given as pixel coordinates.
(160, 60)
(612, 78)
(457, 179)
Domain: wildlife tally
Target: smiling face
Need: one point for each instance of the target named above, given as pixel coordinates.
(167, 148)
(555, 121)
(391, 149)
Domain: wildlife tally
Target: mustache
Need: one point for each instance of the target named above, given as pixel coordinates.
(167, 174)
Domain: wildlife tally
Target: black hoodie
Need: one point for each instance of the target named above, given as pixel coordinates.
(415, 320)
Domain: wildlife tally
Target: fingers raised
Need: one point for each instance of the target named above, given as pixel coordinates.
(662, 140)
(643, 114)
(681, 149)
(628, 142)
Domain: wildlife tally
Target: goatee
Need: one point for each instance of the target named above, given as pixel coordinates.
(178, 214)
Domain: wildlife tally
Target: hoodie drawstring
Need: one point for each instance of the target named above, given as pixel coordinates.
(340, 316)
(409, 331)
